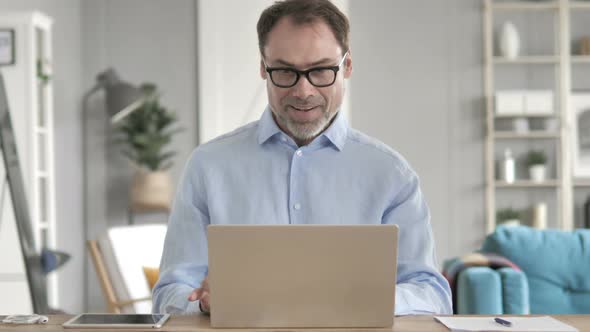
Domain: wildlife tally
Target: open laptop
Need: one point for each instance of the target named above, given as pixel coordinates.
(284, 276)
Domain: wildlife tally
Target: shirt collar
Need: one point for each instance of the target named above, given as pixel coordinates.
(267, 127)
(335, 133)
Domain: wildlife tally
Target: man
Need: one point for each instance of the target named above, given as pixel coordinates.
(299, 164)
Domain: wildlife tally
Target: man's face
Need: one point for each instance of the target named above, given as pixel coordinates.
(303, 111)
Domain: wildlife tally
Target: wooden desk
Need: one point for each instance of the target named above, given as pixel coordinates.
(201, 323)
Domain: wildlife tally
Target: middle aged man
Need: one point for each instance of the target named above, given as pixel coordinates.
(299, 164)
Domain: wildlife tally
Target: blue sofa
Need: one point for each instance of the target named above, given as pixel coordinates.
(555, 276)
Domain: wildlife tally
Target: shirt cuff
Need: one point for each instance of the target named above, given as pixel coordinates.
(201, 309)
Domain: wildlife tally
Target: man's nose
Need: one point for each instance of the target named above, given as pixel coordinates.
(303, 88)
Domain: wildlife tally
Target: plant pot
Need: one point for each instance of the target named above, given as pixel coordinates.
(151, 191)
(511, 222)
(537, 173)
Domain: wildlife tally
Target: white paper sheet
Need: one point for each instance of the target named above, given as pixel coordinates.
(538, 324)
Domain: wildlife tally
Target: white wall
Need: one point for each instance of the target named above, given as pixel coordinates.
(417, 86)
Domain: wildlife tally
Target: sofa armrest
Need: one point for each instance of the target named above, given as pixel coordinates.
(482, 290)
(479, 291)
(515, 291)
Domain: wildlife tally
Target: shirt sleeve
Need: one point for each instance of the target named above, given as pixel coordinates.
(184, 259)
(420, 288)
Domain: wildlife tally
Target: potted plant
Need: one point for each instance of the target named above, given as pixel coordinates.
(508, 217)
(535, 161)
(145, 134)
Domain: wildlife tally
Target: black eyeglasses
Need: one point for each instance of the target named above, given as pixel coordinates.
(321, 77)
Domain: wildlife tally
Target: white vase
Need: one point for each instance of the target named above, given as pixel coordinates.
(537, 173)
(540, 216)
(552, 125)
(520, 125)
(509, 41)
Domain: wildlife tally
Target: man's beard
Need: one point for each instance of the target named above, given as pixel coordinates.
(306, 131)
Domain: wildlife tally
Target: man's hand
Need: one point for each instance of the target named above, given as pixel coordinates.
(201, 294)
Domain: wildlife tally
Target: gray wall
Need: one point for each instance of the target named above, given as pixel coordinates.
(144, 40)
(417, 86)
(67, 89)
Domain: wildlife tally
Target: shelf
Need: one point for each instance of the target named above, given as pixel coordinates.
(527, 184)
(579, 5)
(581, 183)
(527, 59)
(526, 5)
(553, 135)
(512, 116)
(581, 58)
(531, 134)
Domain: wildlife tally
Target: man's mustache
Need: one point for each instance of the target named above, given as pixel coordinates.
(303, 103)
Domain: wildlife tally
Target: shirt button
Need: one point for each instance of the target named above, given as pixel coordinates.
(299, 153)
(297, 206)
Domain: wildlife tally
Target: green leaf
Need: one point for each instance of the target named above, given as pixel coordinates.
(146, 132)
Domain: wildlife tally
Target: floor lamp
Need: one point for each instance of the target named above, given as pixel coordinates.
(121, 99)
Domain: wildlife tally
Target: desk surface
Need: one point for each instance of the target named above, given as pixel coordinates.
(201, 322)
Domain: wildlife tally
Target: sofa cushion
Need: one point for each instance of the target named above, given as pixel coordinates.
(556, 264)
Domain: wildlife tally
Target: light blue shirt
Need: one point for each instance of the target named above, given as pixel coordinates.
(258, 175)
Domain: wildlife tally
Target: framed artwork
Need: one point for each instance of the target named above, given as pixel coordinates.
(580, 134)
(7, 46)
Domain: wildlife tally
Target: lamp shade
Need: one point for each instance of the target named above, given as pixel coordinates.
(122, 98)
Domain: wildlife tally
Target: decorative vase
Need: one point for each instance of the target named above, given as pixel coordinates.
(508, 170)
(509, 41)
(552, 125)
(151, 191)
(537, 173)
(520, 125)
(540, 216)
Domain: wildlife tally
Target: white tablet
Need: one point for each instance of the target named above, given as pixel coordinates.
(111, 321)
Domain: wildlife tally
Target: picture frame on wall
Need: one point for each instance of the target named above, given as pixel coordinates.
(7, 47)
(580, 134)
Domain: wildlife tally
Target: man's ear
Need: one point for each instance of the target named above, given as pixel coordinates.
(348, 65)
(262, 70)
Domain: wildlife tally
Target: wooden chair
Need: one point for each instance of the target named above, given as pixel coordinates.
(121, 265)
(113, 304)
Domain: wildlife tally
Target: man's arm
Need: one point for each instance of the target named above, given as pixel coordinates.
(184, 261)
(421, 289)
